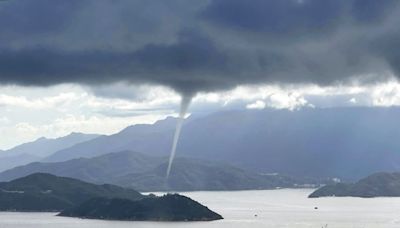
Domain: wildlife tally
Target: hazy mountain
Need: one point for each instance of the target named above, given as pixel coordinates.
(194, 175)
(376, 185)
(334, 142)
(165, 208)
(136, 136)
(101, 169)
(147, 173)
(45, 192)
(43, 147)
(337, 142)
(38, 149)
(8, 162)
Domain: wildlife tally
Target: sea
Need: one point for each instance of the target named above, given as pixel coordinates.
(282, 208)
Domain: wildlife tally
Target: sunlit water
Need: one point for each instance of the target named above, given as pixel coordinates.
(274, 208)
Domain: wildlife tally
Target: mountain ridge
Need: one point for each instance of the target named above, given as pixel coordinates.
(147, 173)
(117, 142)
(307, 142)
(39, 148)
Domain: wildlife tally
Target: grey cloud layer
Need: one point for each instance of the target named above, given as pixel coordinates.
(194, 46)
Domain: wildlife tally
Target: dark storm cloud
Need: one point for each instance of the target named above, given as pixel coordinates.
(284, 17)
(35, 17)
(181, 65)
(194, 46)
(370, 11)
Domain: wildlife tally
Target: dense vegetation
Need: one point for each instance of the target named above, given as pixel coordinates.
(376, 185)
(166, 208)
(45, 192)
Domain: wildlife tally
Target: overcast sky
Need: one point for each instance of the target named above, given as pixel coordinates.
(100, 65)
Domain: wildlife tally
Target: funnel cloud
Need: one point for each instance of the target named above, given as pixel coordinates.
(185, 102)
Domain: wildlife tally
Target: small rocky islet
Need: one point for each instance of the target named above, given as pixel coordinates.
(170, 207)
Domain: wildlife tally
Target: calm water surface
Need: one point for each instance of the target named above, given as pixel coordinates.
(274, 208)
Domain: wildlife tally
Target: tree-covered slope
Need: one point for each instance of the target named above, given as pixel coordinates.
(147, 173)
(375, 185)
(46, 192)
(166, 208)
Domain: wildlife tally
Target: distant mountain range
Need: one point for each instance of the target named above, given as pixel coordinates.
(8, 162)
(43, 147)
(102, 169)
(147, 173)
(375, 185)
(135, 138)
(38, 149)
(348, 143)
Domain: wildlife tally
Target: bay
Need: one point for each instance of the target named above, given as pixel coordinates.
(244, 209)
